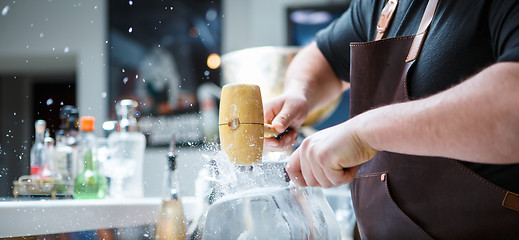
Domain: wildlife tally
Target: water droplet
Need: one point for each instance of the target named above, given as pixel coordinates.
(206, 73)
(49, 101)
(66, 50)
(5, 10)
(125, 80)
(41, 35)
(130, 2)
(14, 113)
(103, 94)
(123, 70)
(130, 29)
(211, 15)
(95, 7)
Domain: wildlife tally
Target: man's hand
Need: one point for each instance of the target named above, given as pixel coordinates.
(329, 157)
(284, 111)
(310, 84)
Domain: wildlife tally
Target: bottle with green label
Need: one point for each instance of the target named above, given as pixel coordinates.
(89, 184)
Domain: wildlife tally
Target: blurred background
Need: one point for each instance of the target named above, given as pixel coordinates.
(164, 54)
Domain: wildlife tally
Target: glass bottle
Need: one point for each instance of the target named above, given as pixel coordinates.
(90, 184)
(69, 128)
(47, 170)
(126, 147)
(38, 147)
(63, 158)
(171, 223)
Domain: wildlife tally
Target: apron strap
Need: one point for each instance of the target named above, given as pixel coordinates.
(416, 46)
(385, 17)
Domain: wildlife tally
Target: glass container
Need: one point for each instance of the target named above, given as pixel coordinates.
(126, 153)
(90, 184)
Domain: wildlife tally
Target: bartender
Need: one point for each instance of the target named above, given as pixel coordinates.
(432, 148)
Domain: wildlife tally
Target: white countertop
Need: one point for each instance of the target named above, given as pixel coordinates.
(26, 218)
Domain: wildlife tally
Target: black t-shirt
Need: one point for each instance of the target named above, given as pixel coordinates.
(464, 37)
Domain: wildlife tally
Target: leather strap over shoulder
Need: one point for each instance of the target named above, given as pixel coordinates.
(385, 17)
(428, 15)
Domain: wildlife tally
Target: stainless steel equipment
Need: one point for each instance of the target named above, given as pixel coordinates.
(266, 67)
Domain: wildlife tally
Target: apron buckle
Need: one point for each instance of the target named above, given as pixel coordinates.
(511, 201)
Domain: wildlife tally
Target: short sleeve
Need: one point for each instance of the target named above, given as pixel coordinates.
(334, 40)
(504, 30)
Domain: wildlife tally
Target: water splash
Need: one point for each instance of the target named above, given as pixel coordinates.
(5, 10)
(234, 179)
(258, 202)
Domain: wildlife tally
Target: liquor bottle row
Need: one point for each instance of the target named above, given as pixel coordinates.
(78, 159)
(81, 163)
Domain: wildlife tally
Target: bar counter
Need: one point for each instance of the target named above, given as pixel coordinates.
(42, 217)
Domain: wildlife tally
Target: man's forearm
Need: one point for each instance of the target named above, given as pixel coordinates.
(311, 75)
(477, 120)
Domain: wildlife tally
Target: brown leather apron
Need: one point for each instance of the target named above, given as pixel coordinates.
(398, 196)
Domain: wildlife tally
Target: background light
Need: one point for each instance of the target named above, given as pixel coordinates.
(213, 61)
